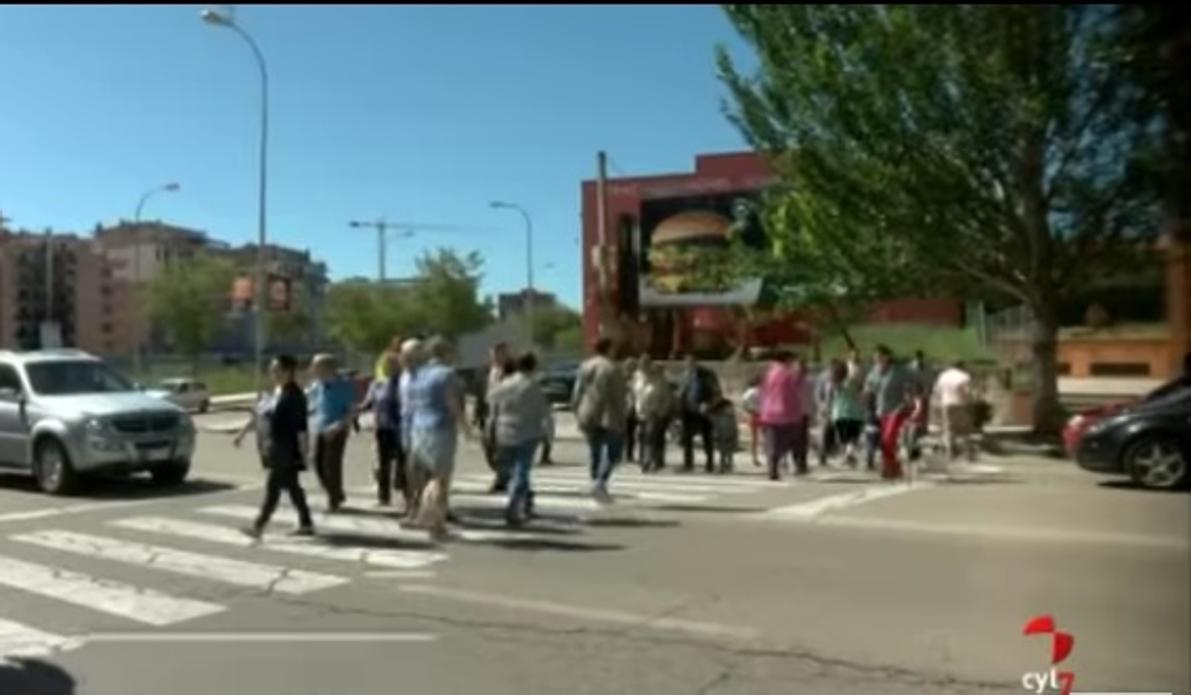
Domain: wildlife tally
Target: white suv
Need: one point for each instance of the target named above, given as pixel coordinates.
(64, 413)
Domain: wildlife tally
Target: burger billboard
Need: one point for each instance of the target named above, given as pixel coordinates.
(677, 232)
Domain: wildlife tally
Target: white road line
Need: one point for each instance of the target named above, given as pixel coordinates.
(226, 637)
(567, 504)
(219, 569)
(583, 613)
(820, 506)
(124, 600)
(648, 484)
(380, 528)
(50, 512)
(553, 490)
(661, 480)
(1008, 533)
(20, 640)
(399, 574)
(395, 559)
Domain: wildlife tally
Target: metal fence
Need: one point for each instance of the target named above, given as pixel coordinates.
(1008, 324)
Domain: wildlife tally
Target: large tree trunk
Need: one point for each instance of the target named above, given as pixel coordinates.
(1044, 339)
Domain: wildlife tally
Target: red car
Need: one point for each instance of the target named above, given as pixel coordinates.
(1081, 422)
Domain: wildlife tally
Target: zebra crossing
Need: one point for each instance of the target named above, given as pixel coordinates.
(129, 555)
(204, 546)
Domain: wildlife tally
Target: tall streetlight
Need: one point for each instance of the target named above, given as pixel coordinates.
(501, 205)
(226, 21)
(171, 187)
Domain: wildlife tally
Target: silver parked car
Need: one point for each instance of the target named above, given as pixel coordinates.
(185, 393)
(64, 413)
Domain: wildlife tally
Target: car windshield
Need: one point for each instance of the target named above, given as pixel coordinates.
(75, 378)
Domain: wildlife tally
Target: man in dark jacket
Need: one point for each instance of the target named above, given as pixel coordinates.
(698, 389)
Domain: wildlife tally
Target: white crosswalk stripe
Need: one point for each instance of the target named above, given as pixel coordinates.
(393, 559)
(21, 640)
(380, 528)
(559, 491)
(116, 598)
(210, 567)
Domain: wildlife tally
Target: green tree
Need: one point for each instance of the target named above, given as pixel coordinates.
(982, 150)
(446, 296)
(189, 303)
(365, 317)
(556, 328)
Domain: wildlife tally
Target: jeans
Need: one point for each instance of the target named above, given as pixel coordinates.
(520, 458)
(284, 478)
(605, 448)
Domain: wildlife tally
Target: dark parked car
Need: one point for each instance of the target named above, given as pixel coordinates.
(558, 382)
(1149, 440)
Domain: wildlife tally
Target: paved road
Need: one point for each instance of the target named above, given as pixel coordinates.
(688, 584)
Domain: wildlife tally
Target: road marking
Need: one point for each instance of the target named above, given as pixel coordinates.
(820, 506)
(225, 637)
(49, 512)
(226, 570)
(396, 559)
(570, 504)
(644, 483)
(124, 600)
(20, 640)
(1007, 533)
(582, 613)
(556, 490)
(399, 574)
(660, 480)
(383, 528)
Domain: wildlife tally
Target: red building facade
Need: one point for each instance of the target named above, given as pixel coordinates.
(645, 218)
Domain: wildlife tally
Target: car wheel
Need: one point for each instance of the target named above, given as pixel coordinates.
(171, 474)
(204, 407)
(1158, 462)
(51, 464)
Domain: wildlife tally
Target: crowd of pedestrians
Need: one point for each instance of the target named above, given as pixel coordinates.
(626, 409)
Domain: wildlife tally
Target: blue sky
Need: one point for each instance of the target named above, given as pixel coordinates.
(421, 114)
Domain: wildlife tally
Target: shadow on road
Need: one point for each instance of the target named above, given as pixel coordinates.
(357, 540)
(34, 677)
(1130, 485)
(628, 522)
(700, 508)
(549, 544)
(123, 488)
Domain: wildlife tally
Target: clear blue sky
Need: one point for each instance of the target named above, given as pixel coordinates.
(423, 114)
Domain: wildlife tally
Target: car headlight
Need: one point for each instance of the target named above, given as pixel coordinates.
(97, 427)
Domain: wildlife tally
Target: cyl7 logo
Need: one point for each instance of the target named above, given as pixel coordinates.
(1061, 644)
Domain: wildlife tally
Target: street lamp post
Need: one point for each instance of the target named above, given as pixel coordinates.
(137, 338)
(219, 19)
(501, 205)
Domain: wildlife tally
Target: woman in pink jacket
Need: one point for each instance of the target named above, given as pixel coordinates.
(781, 412)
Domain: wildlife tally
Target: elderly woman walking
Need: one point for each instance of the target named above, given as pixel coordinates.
(434, 398)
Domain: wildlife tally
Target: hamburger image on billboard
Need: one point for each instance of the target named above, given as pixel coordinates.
(681, 232)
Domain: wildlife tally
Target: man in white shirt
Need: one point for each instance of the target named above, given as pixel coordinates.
(953, 390)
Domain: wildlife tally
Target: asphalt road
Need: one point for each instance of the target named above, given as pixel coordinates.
(688, 584)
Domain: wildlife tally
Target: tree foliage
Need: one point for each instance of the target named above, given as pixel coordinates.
(189, 302)
(981, 150)
(442, 299)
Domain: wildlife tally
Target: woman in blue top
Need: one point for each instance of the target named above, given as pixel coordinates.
(385, 402)
(433, 399)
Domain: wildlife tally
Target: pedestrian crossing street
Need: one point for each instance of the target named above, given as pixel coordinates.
(204, 546)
